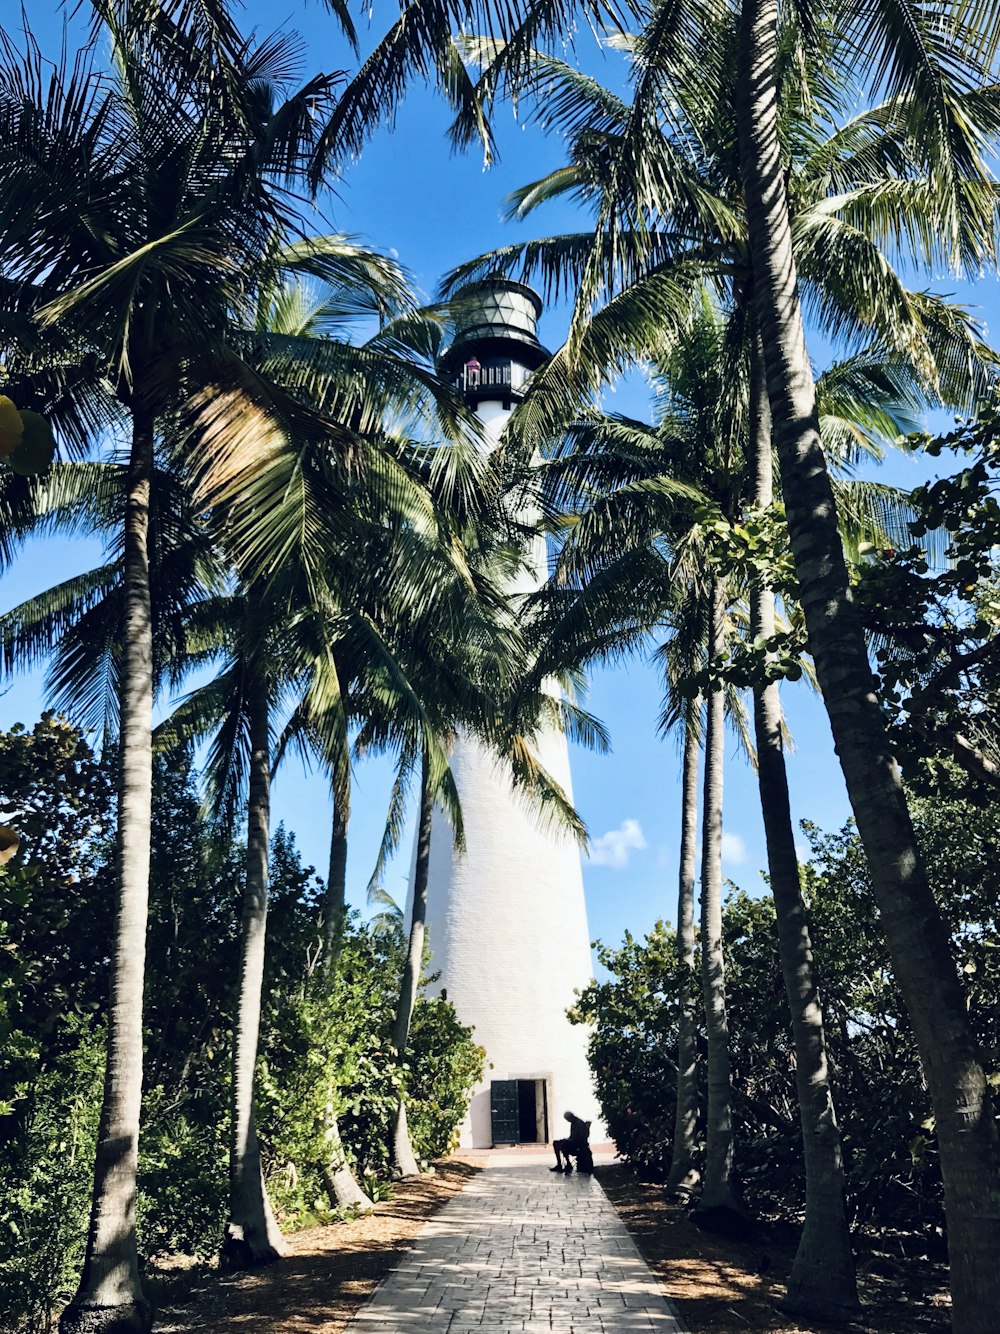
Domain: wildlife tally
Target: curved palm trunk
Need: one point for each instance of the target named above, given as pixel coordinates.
(916, 936)
(822, 1282)
(718, 1187)
(406, 1163)
(684, 1175)
(252, 1236)
(338, 1178)
(110, 1294)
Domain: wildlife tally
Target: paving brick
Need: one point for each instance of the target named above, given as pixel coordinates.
(522, 1251)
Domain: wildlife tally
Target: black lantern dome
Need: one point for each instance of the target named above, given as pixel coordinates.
(495, 347)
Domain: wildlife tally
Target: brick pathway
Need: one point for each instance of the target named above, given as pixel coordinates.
(522, 1249)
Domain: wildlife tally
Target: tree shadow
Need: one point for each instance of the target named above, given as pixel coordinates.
(331, 1271)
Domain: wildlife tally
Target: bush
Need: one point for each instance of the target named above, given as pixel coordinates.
(331, 1051)
(321, 1051)
(183, 1171)
(444, 1067)
(48, 1175)
(890, 1152)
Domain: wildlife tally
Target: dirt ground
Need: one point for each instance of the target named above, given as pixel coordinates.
(728, 1287)
(329, 1274)
(719, 1286)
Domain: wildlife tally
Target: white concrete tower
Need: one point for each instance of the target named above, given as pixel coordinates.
(507, 919)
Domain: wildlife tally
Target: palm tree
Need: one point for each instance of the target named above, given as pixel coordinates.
(402, 1149)
(927, 92)
(667, 213)
(464, 658)
(131, 214)
(700, 410)
(704, 385)
(827, 1289)
(684, 1175)
(695, 455)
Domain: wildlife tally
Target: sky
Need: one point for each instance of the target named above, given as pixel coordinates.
(410, 195)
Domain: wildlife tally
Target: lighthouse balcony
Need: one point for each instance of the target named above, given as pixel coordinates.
(504, 381)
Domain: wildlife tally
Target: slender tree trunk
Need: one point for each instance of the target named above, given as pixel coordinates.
(406, 1163)
(338, 1177)
(916, 936)
(822, 1282)
(718, 1187)
(110, 1295)
(335, 899)
(252, 1236)
(684, 1176)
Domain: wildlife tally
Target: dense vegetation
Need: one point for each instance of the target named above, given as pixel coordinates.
(893, 1174)
(55, 919)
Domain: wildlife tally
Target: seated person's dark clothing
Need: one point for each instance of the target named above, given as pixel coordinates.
(576, 1145)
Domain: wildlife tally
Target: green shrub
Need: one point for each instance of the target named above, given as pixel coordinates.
(48, 1169)
(444, 1067)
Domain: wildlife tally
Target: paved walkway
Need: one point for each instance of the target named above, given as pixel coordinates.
(522, 1249)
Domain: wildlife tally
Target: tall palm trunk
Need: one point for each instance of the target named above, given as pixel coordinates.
(252, 1236)
(406, 1163)
(110, 1293)
(916, 936)
(718, 1187)
(822, 1283)
(335, 899)
(338, 1178)
(684, 1175)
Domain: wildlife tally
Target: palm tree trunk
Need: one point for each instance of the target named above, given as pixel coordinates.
(916, 936)
(252, 1236)
(684, 1175)
(406, 1163)
(718, 1187)
(335, 899)
(822, 1283)
(110, 1294)
(338, 1178)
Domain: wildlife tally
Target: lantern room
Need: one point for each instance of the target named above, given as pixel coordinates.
(495, 348)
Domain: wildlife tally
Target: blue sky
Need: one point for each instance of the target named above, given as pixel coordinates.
(411, 195)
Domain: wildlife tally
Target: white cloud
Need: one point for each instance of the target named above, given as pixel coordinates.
(615, 847)
(734, 850)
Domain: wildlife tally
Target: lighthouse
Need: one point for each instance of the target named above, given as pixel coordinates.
(506, 917)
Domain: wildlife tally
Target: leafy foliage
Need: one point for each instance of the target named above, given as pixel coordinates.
(893, 1176)
(331, 1048)
(318, 1047)
(934, 627)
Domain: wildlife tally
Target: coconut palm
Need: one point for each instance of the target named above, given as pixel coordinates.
(684, 1175)
(664, 178)
(707, 390)
(131, 215)
(240, 701)
(700, 411)
(694, 457)
(924, 88)
(466, 658)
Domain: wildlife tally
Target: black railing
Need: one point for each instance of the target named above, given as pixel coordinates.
(483, 377)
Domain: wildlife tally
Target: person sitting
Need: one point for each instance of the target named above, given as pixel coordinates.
(576, 1145)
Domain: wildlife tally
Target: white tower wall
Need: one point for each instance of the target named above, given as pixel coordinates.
(507, 920)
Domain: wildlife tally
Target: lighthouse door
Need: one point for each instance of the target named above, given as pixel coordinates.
(519, 1111)
(504, 1111)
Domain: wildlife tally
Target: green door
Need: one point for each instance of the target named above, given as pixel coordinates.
(503, 1111)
